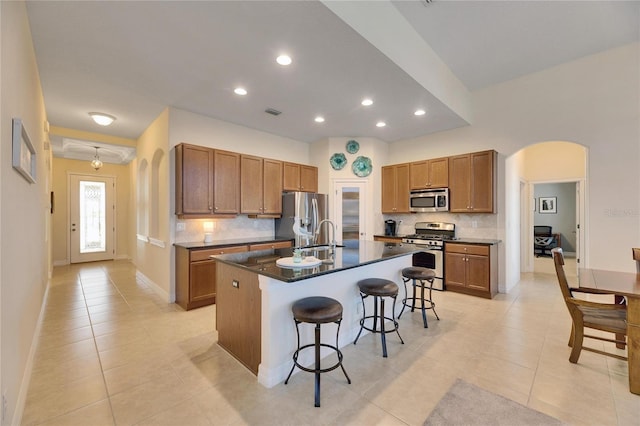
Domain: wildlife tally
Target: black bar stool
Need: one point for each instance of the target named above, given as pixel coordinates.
(378, 288)
(317, 310)
(419, 275)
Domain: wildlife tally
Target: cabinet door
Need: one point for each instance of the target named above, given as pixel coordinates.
(291, 177)
(459, 183)
(202, 285)
(455, 267)
(251, 184)
(308, 178)
(439, 173)
(226, 178)
(194, 180)
(478, 272)
(482, 182)
(388, 189)
(272, 186)
(419, 175)
(402, 188)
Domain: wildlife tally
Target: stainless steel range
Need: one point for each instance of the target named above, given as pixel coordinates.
(431, 237)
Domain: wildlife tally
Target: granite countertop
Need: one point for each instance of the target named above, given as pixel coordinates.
(352, 255)
(230, 242)
(465, 240)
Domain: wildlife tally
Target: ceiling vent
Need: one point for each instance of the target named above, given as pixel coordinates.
(272, 111)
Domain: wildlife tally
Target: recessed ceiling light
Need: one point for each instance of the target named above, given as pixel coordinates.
(367, 102)
(284, 60)
(102, 119)
(319, 119)
(419, 112)
(381, 124)
(240, 91)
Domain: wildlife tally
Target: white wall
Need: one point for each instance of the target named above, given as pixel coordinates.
(24, 209)
(593, 101)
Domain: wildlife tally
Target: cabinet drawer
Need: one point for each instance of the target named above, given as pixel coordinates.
(204, 254)
(467, 249)
(267, 246)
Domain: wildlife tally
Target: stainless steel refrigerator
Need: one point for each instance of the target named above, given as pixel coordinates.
(301, 214)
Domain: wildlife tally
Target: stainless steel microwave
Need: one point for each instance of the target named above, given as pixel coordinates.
(429, 200)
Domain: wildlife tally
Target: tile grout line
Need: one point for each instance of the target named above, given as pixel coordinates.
(104, 380)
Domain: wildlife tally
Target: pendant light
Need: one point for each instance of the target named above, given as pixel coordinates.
(96, 163)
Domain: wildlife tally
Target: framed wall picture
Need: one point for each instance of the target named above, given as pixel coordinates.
(23, 152)
(547, 204)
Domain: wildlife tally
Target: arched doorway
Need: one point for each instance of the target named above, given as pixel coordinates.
(544, 162)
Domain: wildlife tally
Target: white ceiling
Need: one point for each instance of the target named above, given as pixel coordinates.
(133, 59)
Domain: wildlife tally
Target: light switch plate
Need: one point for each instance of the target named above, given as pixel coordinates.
(181, 226)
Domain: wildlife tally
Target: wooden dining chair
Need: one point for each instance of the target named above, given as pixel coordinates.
(586, 314)
(636, 257)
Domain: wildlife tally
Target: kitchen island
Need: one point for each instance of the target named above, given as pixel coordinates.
(255, 295)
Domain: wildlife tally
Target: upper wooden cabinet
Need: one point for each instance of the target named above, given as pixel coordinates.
(194, 180)
(226, 182)
(395, 188)
(207, 181)
(429, 173)
(260, 186)
(472, 182)
(299, 177)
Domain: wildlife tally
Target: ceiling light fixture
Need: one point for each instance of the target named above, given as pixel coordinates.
(240, 91)
(381, 124)
(101, 118)
(319, 119)
(284, 60)
(96, 163)
(419, 112)
(367, 102)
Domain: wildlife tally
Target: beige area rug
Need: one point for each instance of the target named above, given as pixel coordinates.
(467, 404)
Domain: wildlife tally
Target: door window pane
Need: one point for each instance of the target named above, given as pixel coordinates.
(350, 213)
(92, 217)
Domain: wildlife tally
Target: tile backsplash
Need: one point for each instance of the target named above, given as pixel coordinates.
(224, 229)
(467, 225)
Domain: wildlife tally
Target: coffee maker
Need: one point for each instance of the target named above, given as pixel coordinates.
(390, 228)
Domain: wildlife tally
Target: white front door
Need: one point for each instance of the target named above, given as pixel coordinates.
(91, 214)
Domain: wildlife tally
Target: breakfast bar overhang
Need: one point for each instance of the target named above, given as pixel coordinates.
(255, 295)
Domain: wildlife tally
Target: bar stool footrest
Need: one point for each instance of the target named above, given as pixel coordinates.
(323, 370)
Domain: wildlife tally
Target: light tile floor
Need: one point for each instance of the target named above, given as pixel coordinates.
(112, 352)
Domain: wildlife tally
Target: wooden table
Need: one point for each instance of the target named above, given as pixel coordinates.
(624, 284)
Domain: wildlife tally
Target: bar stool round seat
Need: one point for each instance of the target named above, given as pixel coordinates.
(317, 310)
(422, 278)
(378, 288)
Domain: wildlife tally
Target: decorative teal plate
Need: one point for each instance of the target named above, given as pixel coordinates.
(362, 166)
(338, 161)
(352, 147)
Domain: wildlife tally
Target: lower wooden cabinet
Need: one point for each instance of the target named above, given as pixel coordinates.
(471, 269)
(196, 275)
(196, 271)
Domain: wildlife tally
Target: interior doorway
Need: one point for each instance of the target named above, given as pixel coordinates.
(557, 205)
(350, 203)
(92, 213)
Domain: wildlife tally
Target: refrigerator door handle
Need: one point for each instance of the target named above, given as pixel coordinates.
(314, 212)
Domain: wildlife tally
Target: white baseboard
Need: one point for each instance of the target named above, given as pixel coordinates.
(26, 377)
(155, 287)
